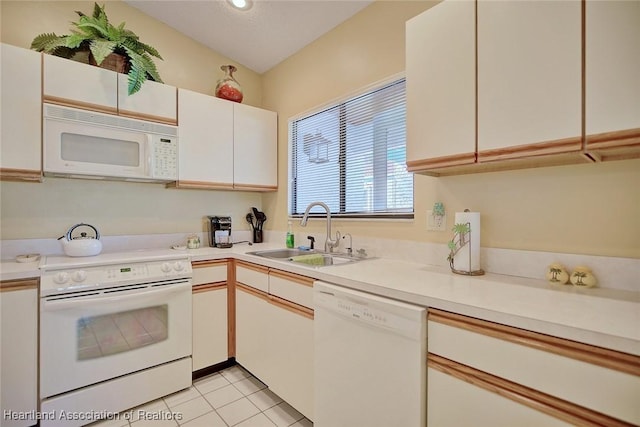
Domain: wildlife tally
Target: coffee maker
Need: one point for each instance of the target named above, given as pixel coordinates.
(220, 231)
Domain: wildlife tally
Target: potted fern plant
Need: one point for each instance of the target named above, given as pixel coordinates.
(104, 42)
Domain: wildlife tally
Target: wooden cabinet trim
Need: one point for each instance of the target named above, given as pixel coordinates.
(200, 185)
(207, 287)
(147, 117)
(441, 162)
(18, 285)
(293, 277)
(623, 138)
(291, 306)
(566, 145)
(208, 263)
(251, 266)
(277, 301)
(542, 402)
(606, 358)
(79, 104)
(231, 308)
(24, 175)
(255, 187)
(253, 291)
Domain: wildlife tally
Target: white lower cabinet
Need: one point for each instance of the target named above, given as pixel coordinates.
(19, 352)
(454, 402)
(485, 374)
(274, 333)
(210, 314)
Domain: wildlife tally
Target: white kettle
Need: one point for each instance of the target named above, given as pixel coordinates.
(82, 245)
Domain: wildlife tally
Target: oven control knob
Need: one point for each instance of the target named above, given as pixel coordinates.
(79, 276)
(61, 277)
(178, 265)
(165, 267)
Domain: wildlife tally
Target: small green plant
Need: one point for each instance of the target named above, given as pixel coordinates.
(98, 36)
(460, 238)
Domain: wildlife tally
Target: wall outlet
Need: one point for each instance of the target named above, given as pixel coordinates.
(436, 222)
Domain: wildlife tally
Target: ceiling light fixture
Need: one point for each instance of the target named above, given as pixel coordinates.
(241, 4)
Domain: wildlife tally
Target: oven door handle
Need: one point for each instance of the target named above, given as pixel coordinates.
(71, 302)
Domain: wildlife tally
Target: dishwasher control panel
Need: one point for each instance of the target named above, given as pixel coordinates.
(373, 310)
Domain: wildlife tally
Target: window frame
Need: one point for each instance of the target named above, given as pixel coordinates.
(340, 102)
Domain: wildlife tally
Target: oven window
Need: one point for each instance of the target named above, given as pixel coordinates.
(114, 333)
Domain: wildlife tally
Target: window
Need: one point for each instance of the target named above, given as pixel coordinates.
(352, 156)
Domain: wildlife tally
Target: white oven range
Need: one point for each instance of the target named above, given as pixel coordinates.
(115, 332)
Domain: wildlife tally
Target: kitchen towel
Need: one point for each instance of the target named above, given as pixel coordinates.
(468, 257)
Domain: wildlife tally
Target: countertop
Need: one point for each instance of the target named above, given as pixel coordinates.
(602, 317)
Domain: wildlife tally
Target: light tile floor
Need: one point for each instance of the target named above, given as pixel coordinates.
(231, 397)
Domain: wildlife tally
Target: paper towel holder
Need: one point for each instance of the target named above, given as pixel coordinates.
(461, 238)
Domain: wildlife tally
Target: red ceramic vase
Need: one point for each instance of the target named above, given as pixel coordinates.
(227, 87)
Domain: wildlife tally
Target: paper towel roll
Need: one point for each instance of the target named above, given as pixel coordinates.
(468, 257)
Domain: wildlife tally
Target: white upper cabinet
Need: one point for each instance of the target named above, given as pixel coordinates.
(226, 145)
(255, 153)
(612, 74)
(206, 141)
(80, 85)
(21, 118)
(89, 87)
(441, 86)
(154, 101)
(529, 78)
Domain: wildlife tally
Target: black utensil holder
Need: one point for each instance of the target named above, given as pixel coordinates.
(257, 236)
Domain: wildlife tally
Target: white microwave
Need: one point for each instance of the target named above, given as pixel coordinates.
(86, 144)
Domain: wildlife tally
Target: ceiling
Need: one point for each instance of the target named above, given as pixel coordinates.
(259, 38)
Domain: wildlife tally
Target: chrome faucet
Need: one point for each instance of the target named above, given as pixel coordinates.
(329, 244)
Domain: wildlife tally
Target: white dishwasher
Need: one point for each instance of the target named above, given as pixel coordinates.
(370, 360)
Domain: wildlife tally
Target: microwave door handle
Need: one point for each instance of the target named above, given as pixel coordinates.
(75, 302)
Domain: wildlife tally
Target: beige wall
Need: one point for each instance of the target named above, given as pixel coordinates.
(586, 209)
(47, 210)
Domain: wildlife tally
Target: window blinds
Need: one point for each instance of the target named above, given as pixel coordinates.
(352, 156)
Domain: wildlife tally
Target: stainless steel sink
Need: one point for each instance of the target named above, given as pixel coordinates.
(313, 258)
(281, 253)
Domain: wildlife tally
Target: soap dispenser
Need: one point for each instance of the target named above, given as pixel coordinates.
(290, 239)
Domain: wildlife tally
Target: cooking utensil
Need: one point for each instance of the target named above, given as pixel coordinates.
(82, 245)
(256, 215)
(249, 219)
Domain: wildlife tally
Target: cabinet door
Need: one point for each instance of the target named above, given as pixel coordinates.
(612, 74)
(209, 326)
(75, 84)
(453, 402)
(252, 324)
(206, 141)
(529, 78)
(441, 86)
(290, 344)
(584, 381)
(255, 155)
(21, 114)
(19, 332)
(154, 101)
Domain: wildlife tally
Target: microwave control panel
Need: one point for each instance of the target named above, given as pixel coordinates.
(164, 157)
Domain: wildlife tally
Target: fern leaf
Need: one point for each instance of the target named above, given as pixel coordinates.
(94, 27)
(76, 39)
(101, 49)
(45, 42)
(137, 75)
(151, 50)
(97, 10)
